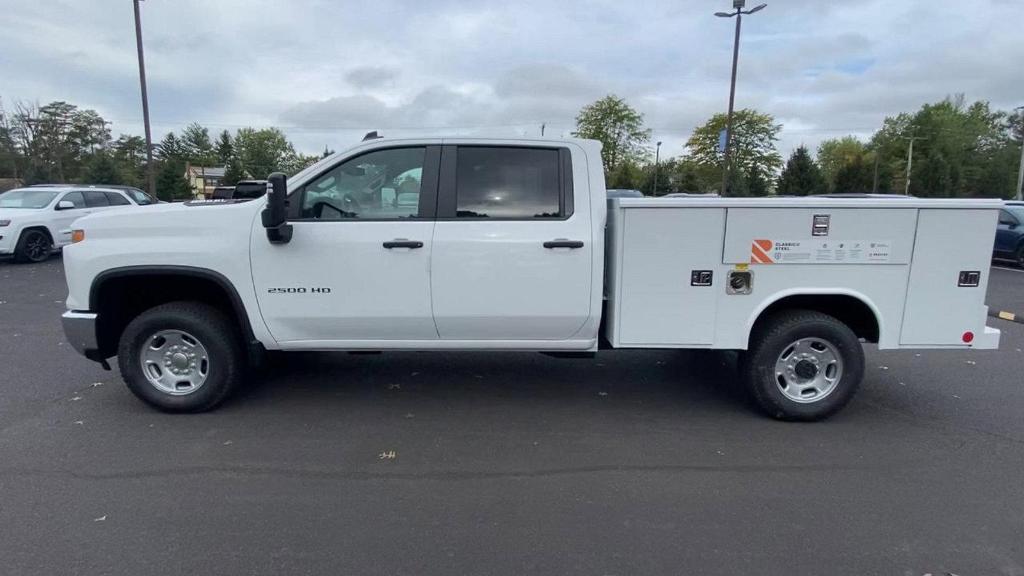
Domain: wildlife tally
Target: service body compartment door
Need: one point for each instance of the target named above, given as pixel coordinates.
(939, 308)
(670, 277)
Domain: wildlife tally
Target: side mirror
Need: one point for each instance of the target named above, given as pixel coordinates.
(275, 215)
(65, 205)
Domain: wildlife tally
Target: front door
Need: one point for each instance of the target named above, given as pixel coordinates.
(357, 268)
(513, 247)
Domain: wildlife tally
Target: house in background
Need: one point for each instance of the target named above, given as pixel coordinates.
(204, 179)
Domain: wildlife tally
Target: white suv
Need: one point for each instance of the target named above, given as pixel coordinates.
(35, 221)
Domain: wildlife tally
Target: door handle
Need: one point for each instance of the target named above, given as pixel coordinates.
(403, 243)
(563, 243)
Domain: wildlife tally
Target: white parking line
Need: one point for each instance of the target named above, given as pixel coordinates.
(1009, 269)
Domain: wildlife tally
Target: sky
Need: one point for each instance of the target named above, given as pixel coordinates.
(326, 72)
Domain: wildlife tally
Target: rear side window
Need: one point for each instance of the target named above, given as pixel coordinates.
(95, 199)
(116, 199)
(75, 198)
(508, 183)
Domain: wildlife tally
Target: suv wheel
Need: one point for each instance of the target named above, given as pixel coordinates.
(181, 357)
(33, 246)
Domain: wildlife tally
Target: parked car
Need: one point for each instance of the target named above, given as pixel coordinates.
(623, 193)
(139, 197)
(37, 220)
(1010, 234)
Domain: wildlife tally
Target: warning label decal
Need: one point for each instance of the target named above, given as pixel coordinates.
(820, 251)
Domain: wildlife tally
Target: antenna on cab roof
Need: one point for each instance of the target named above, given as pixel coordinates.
(371, 136)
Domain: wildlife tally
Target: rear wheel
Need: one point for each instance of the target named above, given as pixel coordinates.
(33, 246)
(181, 357)
(802, 365)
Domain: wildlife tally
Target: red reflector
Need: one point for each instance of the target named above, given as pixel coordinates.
(968, 337)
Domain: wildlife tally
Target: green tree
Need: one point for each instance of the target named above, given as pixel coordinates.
(198, 148)
(835, 154)
(233, 173)
(626, 175)
(103, 170)
(801, 176)
(171, 183)
(618, 127)
(171, 148)
(56, 139)
(225, 148)
(753, 150)
(261, 152)
(854, 177)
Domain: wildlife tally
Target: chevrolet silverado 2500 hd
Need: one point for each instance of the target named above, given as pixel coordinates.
(493, 244)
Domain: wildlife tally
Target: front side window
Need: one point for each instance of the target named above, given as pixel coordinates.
(496, 182)
(116, 199)
(141, 198)
(75, 198)
(379, 185)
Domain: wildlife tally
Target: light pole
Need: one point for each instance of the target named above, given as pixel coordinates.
(150, 179)
(1020, 171)
(738, 14)
(910, 159)
(657, 155)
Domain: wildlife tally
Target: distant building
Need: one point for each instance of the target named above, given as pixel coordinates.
(204, 179)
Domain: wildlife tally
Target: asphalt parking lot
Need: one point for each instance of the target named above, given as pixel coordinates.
(632, 463)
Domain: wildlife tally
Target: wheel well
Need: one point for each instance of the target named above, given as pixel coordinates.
(42, 229)
(119, 297)
(849, 310)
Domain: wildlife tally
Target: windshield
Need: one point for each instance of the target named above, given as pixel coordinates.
(32, 199)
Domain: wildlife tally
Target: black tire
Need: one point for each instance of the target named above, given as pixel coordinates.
(1019, 257)
(775, 336)
(211, 328)
(34, 245)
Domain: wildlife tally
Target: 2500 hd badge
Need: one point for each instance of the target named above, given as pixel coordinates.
(299, 290)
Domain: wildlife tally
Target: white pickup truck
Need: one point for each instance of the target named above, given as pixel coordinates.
(500, 244)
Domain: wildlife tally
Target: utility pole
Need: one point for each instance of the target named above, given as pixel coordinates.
(910, 159)
(738, 14)
(874, 184)
(657, 155)
(150, 178)
(1020, 171)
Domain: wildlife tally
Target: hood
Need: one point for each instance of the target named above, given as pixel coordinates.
(13, 214)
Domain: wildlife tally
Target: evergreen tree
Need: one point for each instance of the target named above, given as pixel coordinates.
(233, 173)
(103, 170)
(225, 148)
(171, 148)
(170, 181)
(198, 149)
(801, 176)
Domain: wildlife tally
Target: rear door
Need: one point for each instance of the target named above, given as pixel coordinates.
(513, 246)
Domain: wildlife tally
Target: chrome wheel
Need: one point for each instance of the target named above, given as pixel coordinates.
(808, 370)
(175, 362)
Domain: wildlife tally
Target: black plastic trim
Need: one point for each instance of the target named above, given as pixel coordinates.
(204, 273)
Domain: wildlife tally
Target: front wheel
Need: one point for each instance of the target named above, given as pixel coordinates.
(33, 246)
(181, 357)
(802, 365)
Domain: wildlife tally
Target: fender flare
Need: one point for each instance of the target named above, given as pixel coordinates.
(788, 293)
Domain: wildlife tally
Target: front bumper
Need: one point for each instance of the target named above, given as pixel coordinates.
(80, 330)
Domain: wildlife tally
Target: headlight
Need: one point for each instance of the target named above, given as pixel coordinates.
(5, 222)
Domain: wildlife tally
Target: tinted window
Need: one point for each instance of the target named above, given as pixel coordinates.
(496, 182)
(75, 198)
(378, 185)
(116, 199)
(95, 199)
(141, 198)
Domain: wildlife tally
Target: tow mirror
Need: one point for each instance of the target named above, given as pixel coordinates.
(65, 205)
(275, 215)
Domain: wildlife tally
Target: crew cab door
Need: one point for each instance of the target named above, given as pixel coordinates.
(357, 268)
(513, 245)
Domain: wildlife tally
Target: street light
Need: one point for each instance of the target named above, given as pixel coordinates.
(738, 14)
(657, 154)
(150, 178)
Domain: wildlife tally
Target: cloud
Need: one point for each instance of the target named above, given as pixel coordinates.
(327, 72)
